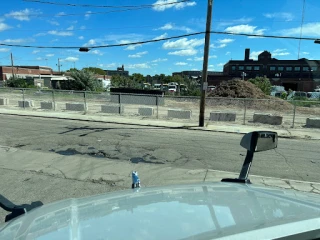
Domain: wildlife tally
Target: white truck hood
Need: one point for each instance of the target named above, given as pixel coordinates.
(200, 211)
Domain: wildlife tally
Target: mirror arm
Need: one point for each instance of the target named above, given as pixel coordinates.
(243, 177)
(246, 166)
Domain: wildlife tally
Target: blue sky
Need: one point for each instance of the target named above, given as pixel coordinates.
(32, 23)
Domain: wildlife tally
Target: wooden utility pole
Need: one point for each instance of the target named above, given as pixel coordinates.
(12, 66)
(204, 78)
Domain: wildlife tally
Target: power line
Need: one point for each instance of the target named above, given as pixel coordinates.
(104, 6)
(163, 39)
(138, 7)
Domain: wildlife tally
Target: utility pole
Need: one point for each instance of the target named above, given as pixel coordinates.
(12, 65)
(59, 65)
(204, 79)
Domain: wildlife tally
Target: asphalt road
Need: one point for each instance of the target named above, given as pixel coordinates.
(192, 149)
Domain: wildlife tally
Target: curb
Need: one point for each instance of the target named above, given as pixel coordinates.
(182, 126)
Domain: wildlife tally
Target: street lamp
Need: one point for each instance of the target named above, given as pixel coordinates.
(84, 49)
(317, 41)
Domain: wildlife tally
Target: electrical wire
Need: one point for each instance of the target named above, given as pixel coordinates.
(104, 6)
(138, 7)
(302, 21)
(162, 39)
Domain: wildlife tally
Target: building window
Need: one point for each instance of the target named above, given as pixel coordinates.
(305, 69)
(233, 68)
(273, 68)
(248, 67)
(297, 69)
(280, 68)
(314, 68)
(241, 67)
(288, 68)
(256, 68)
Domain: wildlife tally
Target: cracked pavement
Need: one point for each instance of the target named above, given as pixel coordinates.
(52, 159)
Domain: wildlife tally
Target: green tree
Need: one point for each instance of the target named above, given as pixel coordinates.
(19, 83)
(139, 78)
(124, 82)
(192, 89)
(95, 70)
(84, 80)
(263, 83)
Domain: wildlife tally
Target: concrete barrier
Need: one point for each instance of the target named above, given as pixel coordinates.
(179, 113)
(136, 99)
(4, 101)
(25, 104)
(313, 122)
(223, 116)
(48, 105)
(112, 109)
(76, 107)
(146, 111)
(267, 118)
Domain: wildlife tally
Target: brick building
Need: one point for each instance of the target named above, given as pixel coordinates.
(301, 74)
(120, 71)
(25, 71)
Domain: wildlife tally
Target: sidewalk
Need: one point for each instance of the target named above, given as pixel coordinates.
(307, 133)
(117, 173)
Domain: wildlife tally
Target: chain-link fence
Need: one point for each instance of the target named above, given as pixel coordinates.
(184, 109)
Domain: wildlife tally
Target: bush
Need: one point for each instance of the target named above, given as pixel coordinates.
(263, 83)
(84, 80)
(19, 83)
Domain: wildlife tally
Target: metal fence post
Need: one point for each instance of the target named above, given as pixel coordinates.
(294, 113)
(23, 99)
(120, 103)
(85, 101)
(53, 101)
(157, 102)
(245, 111)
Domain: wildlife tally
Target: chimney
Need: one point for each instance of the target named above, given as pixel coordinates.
(247, 54)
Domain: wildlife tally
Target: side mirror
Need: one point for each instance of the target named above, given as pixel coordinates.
(254, 142)
(259, 141)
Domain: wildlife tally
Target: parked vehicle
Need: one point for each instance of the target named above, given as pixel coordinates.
(295, 95)
(313, 95)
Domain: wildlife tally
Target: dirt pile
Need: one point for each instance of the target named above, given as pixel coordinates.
(238, 89)
(253, 97)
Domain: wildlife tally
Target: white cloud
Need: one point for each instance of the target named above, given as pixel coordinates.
(181, 63)
(159, 4)
(138, 65)
(213, 56)
(70, 28)
(160, 60)
(18, 41)
(211, 68)
(50, 55)
(242, 20)
(60, 14)
(218, 46)
(183, 43)
(23, 15)
(185, 52)
(71, 59)
(91, 42)
(308, 29)
(220, 64)
(61, 33)
(247, 29)
(167, 26)
(171, 26)
(280, 15)
(138, 55)
(81, 37)
(228, 53)
(35, 51)
(133, 47)
(4, 49)
(161, 36)
(189, 59)
(87, 15)
(305, 53)
(254, 54)
(198, 59)
(280, 52)
(39, 58)
(4, 27)
(53, 22)
(82, 27)
(96, 52)
(226, 40)
(39, 34)
(109, 65)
